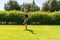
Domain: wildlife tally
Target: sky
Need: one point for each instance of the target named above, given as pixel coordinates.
(38, 2)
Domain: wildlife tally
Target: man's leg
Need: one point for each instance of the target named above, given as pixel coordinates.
(26, 26)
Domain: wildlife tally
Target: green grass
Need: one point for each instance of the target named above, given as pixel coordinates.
(35, 32)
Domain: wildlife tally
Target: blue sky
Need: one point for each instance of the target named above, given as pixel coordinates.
(38, 2)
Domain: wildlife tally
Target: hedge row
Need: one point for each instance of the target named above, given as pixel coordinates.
(10, 17)
(17, 17)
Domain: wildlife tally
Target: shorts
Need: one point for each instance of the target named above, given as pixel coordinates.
(25, 21)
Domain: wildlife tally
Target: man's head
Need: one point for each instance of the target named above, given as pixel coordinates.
(25, 9)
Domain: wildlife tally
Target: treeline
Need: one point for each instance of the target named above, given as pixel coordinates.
(17, 17)
(13, 5)
(51, 5)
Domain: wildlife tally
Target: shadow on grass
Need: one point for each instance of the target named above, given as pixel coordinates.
(31, 31)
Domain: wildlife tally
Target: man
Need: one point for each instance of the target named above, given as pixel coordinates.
(26, 18)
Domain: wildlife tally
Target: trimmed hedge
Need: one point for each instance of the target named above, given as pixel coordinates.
(11, 17)
(17, 17)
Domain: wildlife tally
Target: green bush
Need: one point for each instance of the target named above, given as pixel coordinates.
(41, 18)
(17, 17)
(46, 18)
(11, 16)
(56, 18)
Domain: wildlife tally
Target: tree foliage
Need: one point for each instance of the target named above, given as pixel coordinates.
(12, 5)
(50, 5)
(30, 7)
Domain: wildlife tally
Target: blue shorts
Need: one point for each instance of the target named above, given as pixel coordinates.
(25, 21)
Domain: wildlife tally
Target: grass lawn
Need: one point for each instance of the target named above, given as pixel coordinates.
(35, 32)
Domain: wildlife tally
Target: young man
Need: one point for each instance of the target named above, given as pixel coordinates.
(26, 18)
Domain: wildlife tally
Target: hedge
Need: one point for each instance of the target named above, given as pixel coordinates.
(41, 18)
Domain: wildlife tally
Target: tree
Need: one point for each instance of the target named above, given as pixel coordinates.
(51, 5)
(45, 6)
(30, 7)
(58, 4)
(33, 2)
(12, 5)
(22, 6)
